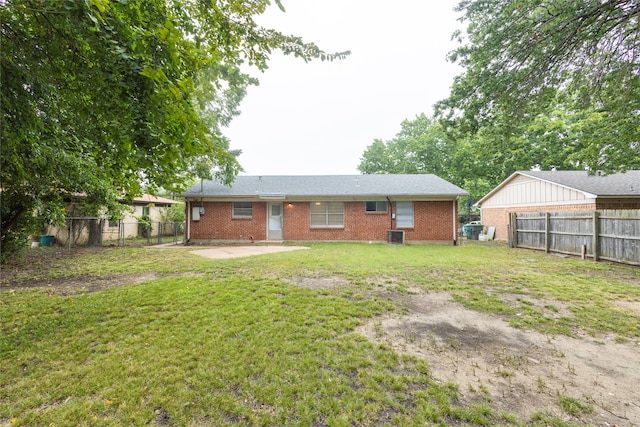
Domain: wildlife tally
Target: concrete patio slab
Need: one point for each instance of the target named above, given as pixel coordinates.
(223, 252)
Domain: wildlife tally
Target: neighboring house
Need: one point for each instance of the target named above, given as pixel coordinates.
(93, 230)
(323, 207)
(145, 206)
(554, 191)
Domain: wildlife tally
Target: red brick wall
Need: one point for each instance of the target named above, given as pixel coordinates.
(358, 225)
(618, 204)
(217, 223)
(432, 221)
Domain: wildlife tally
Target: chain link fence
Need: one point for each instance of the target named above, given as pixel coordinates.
(91, 231)
(144, 233)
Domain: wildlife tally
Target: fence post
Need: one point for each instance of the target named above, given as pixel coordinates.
(547, 231)
(69, 235)
(121, 232)
(513, 229)
(596, 235)
(510, 230)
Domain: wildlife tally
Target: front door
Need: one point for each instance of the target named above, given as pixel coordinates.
(274, 228)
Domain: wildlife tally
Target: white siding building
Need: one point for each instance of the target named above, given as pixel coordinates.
(553, 191)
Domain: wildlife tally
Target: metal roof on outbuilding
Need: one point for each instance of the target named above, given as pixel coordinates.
(330, 186)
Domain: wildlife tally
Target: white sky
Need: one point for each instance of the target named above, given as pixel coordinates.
(318, 118)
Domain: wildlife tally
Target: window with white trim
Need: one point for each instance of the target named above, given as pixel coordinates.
(327, 214)
(375, 206)
(404, 214)
(242, 209)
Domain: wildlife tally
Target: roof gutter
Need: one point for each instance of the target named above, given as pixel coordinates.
(188, 230)
(272, 196)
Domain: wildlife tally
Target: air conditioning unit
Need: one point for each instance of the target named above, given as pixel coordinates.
(395, 237)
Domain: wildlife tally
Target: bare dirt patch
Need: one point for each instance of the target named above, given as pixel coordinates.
(85, 284)
(633, 306)
(512, 370)
(33, 273)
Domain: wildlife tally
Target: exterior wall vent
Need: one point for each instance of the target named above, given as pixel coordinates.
(395, 237)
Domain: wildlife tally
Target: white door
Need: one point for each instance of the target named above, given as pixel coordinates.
(274, 229)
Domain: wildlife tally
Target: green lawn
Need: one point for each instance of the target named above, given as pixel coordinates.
(235, 342)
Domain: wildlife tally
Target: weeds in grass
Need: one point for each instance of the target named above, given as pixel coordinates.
(540, 419)
(552, 308)
(505, 373)
(484, 391)
(573, 406)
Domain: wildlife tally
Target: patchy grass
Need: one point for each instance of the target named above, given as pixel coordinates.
(573, 406)
(479, 276)
(233, 342)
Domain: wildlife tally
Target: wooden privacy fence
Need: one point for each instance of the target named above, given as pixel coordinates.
(612, 235)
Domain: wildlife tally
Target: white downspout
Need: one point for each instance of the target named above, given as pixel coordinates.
(188, 221)
(455, 221)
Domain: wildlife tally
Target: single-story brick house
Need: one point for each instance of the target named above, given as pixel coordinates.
(555, 191)
(324, 208)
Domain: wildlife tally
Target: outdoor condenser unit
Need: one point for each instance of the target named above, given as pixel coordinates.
(395, 237)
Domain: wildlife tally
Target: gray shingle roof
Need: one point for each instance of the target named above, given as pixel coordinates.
(619, 184)
(329, 186)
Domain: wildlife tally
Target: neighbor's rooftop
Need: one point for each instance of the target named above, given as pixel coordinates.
(622, 184)
(615, 184)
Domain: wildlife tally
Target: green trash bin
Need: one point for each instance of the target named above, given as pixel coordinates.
(46, 240)
(473, 231)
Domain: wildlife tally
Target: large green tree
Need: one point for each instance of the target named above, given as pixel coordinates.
(105, 98)
(480, 160)
(421, 146)
(521, 56)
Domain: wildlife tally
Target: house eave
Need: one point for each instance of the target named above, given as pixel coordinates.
(618, 196)
(307, 198)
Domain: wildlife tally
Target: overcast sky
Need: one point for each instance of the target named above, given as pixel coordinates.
(318, 118)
